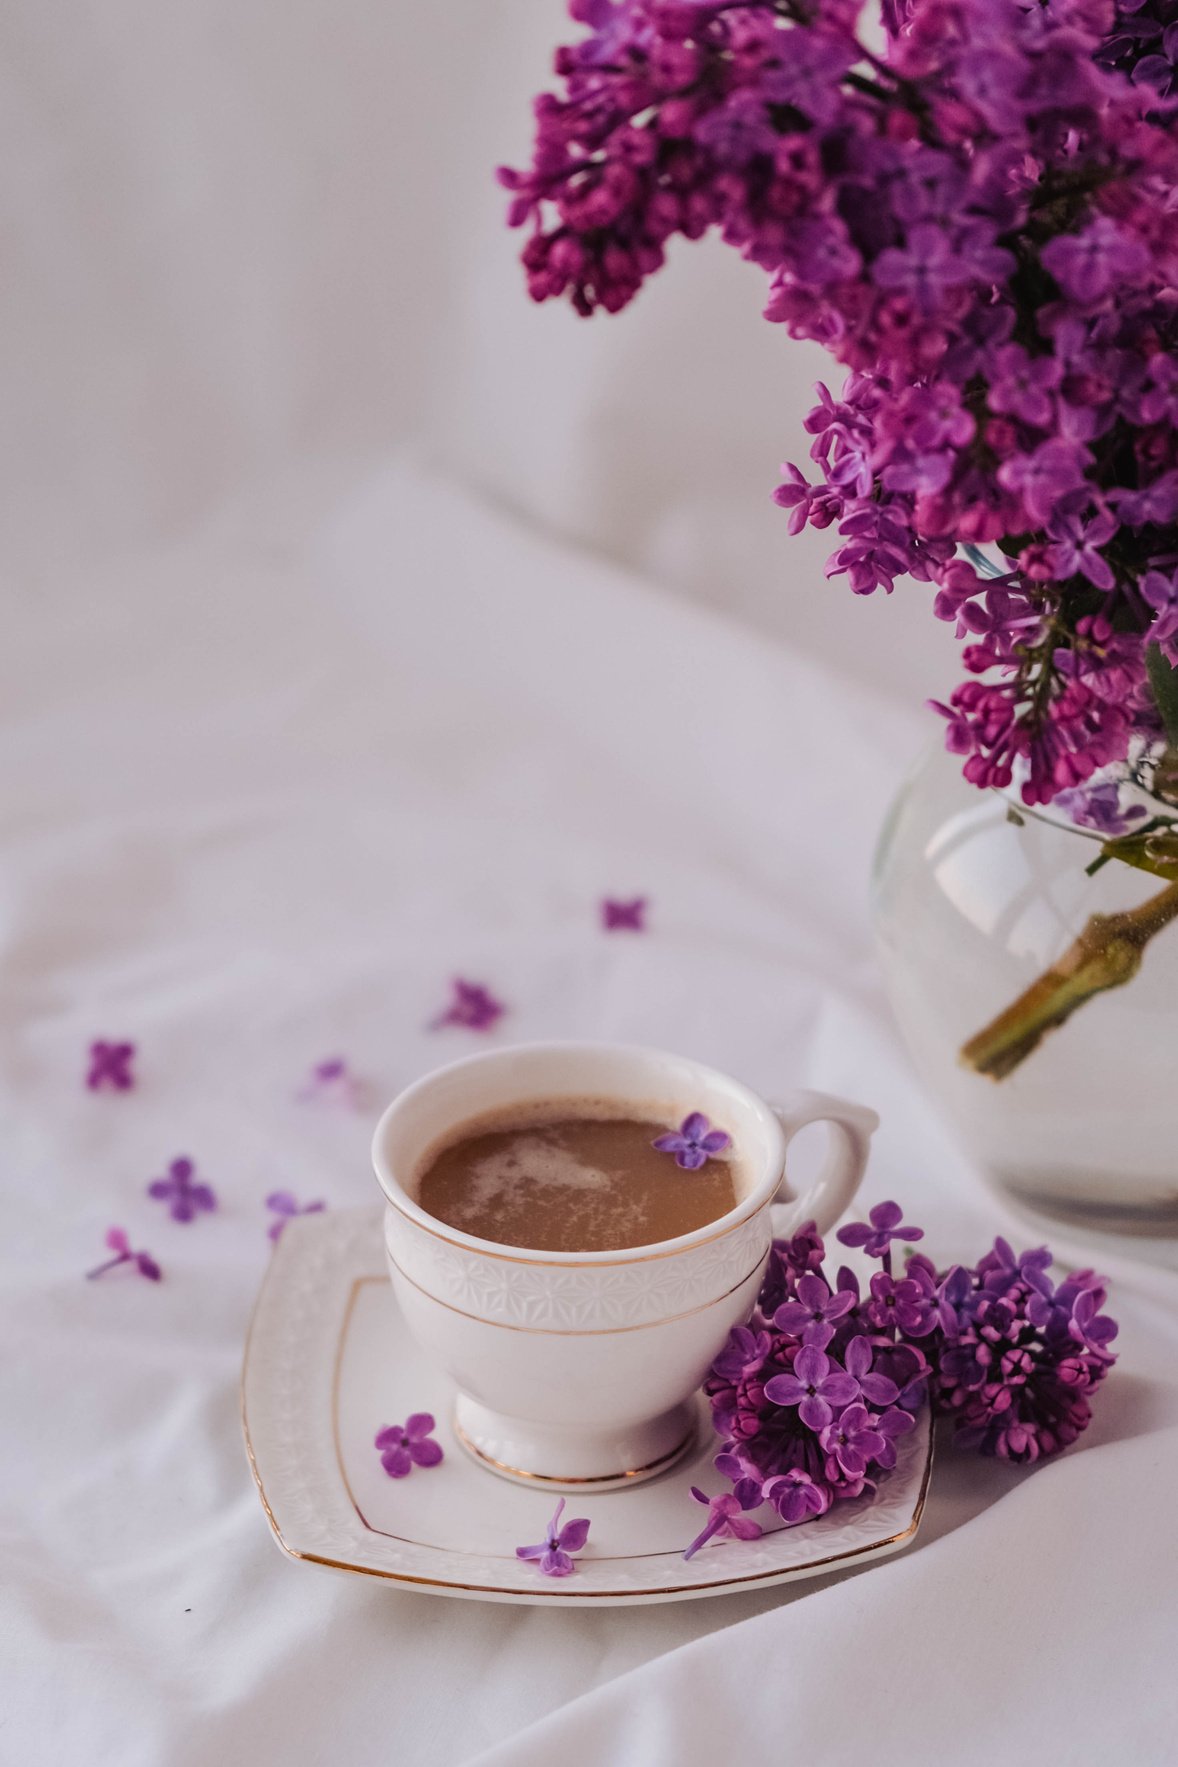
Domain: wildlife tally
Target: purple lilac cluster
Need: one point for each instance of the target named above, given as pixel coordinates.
(812, 1396)
(980, 225)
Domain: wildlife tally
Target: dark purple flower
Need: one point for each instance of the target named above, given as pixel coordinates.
(1044, 478)
(905, 1305)
(1159, 589)
(745, 1349)
(923, 268)
(1076, 539)
(472, 1006)
(1088, 265)
(406, 1445)
(876, 1238)
(724, 1517)
(853, 1440)
(630, 916)
(816, 1385)
(120, 1245)
(738, 131)
(796, 1496)
(815, 505)
(1023, 385)
(694, 1143)
(284, 1205)
(815, 1305)
(553, 1551)
(859, 1358)
(1098, 807)
(110, 1065)
(185, 1199)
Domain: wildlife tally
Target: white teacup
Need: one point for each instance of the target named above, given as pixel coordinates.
(577, 1368)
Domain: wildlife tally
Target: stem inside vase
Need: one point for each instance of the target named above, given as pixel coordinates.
(1106, 954)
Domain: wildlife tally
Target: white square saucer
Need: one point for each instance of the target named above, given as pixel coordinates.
(328, 1362)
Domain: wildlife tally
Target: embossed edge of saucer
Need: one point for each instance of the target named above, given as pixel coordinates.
(290, 1373)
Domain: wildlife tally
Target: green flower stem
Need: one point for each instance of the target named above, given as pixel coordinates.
(1106, 955)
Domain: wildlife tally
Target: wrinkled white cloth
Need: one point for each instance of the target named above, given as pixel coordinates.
(264, 796)
(296, 722)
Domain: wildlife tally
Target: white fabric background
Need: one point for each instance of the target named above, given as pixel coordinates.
(302, 712)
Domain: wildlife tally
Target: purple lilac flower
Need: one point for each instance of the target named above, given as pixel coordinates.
(185, 1199)
(876, 1234)
(1159, 589)
(472, 1006)
(1021, 1358)
(553, 1552)
(629, 916)
(816, 1385)
(120, 1245)
(283, 1204)
(859, 1357)
(725, 1517)
(694, 1142)
(1090, 264)
(901, 222)
(814, 1306)
(406, 1445)
(110, 1066)
(853, 1440)
(331, 1081)
(796, 1496)
(1076, 539)
(906, 1305)
(1023, 385)
(1099, 807)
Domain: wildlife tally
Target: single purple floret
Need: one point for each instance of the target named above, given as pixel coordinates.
(472, 1006)
(619, 916)
(814, 1306)
(120, 1245)
(884, 1227)
(110, 1065)
(552, 1553)
(853, 1440)
(816, 1385)
(796, 1496)
(725, 1517)
(283, 1204)
(185, 1199)
(406, 1445)
(332, 1082)
(694, 1142)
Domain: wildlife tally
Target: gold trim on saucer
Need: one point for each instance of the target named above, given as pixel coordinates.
(620, 1597)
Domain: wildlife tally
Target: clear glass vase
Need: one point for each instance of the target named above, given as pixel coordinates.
(971, 908)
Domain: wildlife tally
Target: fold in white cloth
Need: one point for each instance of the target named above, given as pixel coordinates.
(266, 792)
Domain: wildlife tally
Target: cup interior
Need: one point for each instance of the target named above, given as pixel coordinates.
(667, 1087)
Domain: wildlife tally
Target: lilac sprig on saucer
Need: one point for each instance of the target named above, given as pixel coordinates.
(811, 1396)
(694, 1142)
(552, 1555)
(403, 1446)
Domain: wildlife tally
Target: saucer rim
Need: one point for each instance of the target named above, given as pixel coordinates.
(302, 1229)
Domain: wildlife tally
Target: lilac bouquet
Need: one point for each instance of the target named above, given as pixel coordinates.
(980, 223)
(812, 1396)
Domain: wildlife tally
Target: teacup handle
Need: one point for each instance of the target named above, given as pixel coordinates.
(851, 1126)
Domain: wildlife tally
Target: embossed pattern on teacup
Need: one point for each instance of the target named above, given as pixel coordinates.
(640, 1291)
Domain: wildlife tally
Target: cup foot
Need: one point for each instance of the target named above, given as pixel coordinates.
(566, 1460)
